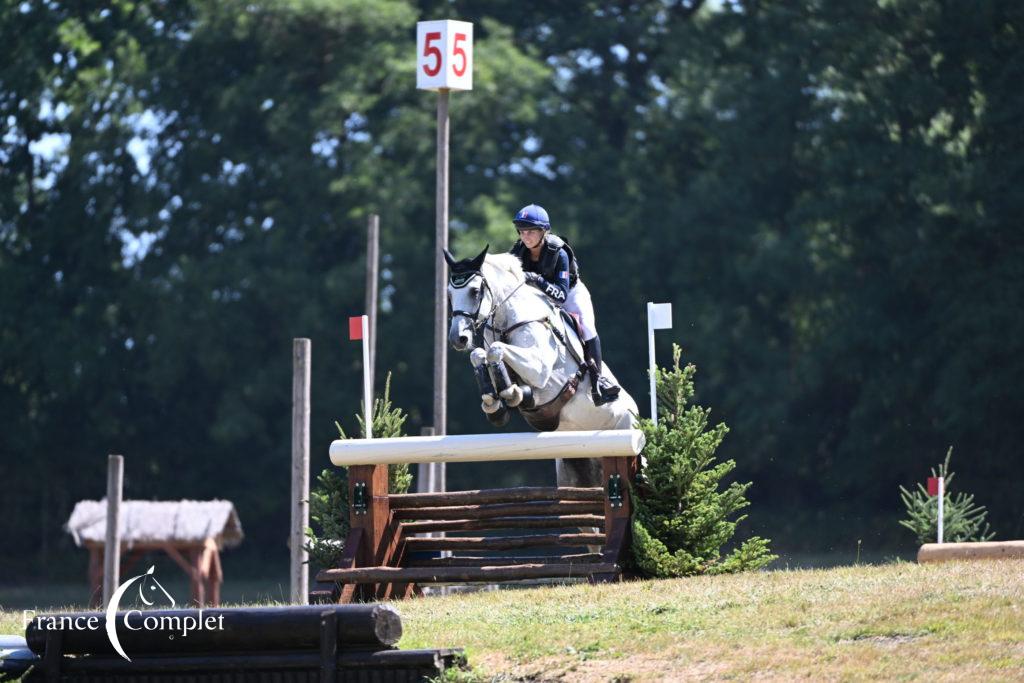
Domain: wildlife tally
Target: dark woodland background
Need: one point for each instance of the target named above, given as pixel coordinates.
(829, 193)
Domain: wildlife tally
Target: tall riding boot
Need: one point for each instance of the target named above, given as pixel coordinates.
(601, 389)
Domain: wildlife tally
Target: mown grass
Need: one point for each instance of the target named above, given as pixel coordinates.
(902, 621)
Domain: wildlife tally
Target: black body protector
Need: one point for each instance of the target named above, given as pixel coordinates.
(552, 268)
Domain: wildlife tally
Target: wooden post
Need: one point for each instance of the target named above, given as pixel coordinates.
(197, 580)
(441, 271)
(373, 518)
(618, 537)
(112, 546)
(95, 575)
(301, 352)
(372, 267)
(425, 470)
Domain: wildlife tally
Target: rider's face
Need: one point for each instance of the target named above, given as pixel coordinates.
(531, 236)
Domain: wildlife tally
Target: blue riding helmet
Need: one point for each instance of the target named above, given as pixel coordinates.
(532, 216)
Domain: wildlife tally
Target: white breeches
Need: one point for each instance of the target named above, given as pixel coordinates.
(578, 303)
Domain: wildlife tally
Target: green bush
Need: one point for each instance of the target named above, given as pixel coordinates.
(681, 519)
(328, 501)
(962, 520)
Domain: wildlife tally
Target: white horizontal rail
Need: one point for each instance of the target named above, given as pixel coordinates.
(488, 447)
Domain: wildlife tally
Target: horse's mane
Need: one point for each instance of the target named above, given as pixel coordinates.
(503, 271)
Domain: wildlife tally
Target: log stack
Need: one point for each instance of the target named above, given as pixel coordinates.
(314, 643)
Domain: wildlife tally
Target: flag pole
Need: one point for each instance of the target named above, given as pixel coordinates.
(367, 381)
(650, 362)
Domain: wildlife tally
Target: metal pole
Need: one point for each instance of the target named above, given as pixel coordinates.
(372, 268)
(942, 495)
(112, 546)
(441, 271)
(301, 364)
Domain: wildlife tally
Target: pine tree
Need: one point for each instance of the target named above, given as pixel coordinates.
(962, 520)
(682, 519)
(328, 502)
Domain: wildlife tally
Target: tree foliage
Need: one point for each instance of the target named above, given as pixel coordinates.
(681, 519)
(962, 520)
(829, 193)
(328, 500)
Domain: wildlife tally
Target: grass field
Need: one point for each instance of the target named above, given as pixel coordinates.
(901, 621)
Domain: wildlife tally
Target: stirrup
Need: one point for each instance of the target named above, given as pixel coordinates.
(603, 391)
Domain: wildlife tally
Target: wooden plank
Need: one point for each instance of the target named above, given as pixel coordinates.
(468, 561)
(506, 543)
(327, 592)
(485, 496)
(558, 522)
(465, 574)
(537, 509)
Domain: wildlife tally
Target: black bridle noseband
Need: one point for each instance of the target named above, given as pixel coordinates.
(460, 280)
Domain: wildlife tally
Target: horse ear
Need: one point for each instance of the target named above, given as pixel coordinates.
(479, 260)
(449, 258)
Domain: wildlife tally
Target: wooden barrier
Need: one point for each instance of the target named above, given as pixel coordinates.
(282, 644)
(981, 550)
(382, 559)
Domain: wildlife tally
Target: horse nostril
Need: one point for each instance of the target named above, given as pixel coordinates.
(463, 340)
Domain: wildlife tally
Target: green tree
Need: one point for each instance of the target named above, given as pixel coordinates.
(962, 520)
(681, 519)
(328, 500)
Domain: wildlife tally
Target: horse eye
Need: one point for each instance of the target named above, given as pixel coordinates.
(473, 291)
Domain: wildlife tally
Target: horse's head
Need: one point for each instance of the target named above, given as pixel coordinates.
(469, 297)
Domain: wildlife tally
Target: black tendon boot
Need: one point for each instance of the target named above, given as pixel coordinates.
(601, 389)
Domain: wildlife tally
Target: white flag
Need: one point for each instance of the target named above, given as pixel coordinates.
(660, 316)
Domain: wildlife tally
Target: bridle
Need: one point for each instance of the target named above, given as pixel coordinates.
(460, 280)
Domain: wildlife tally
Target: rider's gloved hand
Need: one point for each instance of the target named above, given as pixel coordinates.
(534, 279)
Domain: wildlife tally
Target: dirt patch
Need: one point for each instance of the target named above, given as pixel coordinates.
(574, 670)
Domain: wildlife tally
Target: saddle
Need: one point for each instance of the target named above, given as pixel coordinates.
(546, 417)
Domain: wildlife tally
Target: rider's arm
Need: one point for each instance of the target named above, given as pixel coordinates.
(558, 289)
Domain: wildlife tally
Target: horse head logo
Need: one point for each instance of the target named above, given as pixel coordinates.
(148, 586)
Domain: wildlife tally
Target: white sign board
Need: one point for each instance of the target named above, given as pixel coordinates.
(444, 55)
(660, 315)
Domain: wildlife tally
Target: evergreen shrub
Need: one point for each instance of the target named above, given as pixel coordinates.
(962, 520)
(328, 501)
(681, 519)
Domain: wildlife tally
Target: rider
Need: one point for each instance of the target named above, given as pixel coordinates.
(551, 267)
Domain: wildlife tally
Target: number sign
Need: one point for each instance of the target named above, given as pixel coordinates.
(444, 55)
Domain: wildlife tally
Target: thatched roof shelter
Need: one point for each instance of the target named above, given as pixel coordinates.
(159, 523)
(190, 532)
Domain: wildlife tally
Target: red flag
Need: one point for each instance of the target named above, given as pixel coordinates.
(355, 328)
(933, 486)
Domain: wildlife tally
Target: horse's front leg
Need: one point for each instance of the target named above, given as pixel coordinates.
(495, 409)
(531, 365)
(513, 394)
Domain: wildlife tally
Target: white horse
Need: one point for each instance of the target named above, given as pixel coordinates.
(512, 325)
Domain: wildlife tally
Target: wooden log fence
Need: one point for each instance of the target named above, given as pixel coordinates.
(383, 559)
